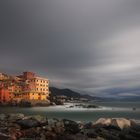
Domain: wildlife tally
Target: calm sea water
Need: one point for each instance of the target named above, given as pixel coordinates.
(107, 109)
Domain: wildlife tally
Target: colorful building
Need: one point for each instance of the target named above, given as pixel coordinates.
(5, 95)
(27, 86)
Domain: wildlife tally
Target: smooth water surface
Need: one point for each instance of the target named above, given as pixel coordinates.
(107, 109)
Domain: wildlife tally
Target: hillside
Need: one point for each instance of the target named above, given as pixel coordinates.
(69, 93)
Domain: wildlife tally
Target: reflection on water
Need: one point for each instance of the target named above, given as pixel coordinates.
(106, 109)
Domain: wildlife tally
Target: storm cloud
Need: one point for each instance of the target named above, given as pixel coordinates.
(92, 46)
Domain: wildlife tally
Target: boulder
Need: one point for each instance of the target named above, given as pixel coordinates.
(58, 130)
(116, 122)
(28, 123)
(92, 106)
(129, 137)
(135, 124)
(55, 125)
(108, 136)
(72, 137)
(2, 117)
(40, 119)
(99, 138)
(121, 123)
(52, 122)
(71, 126)
(59, 124)
(15, 117)
(88, 125)
(50, 135)
(26, 139)
(5, 136)
(134, 133)
(103, 122)
(90, 133)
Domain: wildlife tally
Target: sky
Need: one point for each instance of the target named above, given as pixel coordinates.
(91, 46)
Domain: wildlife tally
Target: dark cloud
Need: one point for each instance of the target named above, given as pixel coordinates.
(85, 45)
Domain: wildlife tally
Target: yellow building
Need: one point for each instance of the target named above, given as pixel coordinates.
(28, 86)
(36, 88)
(42, 85)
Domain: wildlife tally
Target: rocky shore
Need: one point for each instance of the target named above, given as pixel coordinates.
(21, 127)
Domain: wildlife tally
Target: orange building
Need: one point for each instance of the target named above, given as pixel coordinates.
(27, 86)
(5, 95)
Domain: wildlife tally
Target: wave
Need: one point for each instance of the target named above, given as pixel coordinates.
(75, 107)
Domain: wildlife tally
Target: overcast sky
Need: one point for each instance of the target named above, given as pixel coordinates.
(87, 45)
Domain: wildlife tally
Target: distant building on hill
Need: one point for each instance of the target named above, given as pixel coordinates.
(27, 86)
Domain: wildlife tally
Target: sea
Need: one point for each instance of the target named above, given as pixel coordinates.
(108, 109)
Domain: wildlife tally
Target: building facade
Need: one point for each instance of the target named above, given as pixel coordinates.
(27, 86)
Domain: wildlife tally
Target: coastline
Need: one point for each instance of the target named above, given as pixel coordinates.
(78, 113)
(37, 127)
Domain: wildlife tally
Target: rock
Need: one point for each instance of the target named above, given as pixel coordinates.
(80, 125)
(80, 137)
(102, 122)
(135, 125)
(55, 125)
(99, 138)
(52, 122)
(48, 128)
(86, 106)
(91, 106)
(28, 123)
(58, 130)
(2, 117)
(15, 134)
(43, 137)
(50, 135)
(20, 127)
(71, 126)
(17, 116)
(40, 119)
(5, 136)
(116, 122)
(77, 136)
(52, 103)
(31, 133)
(59, 124)
(59, 127)
(112, 128)
(88, 125)
(24, 103)
(26, 139)
(121, 123)
(108, 136)
(134, 133)
(90, 133)
(129, 137)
